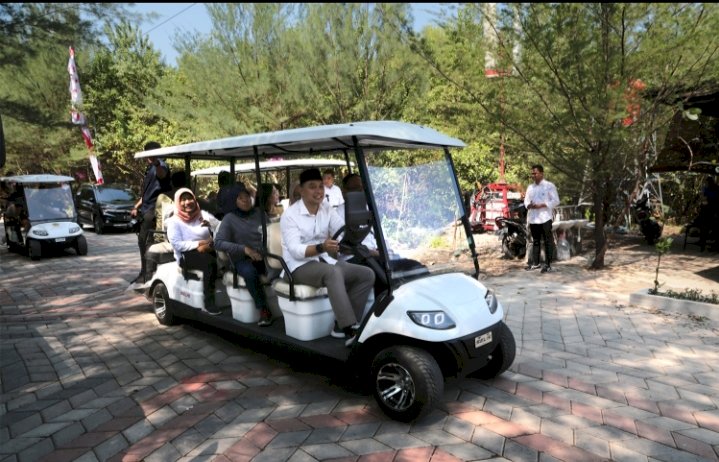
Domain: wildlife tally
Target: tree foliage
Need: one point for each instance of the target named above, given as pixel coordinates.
(571, 77)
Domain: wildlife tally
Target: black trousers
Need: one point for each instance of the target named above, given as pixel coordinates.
(539, 232)
(205, 262)
(148, 224)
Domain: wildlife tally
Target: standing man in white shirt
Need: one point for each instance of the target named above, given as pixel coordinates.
(540, 201)
(307, 229)
(333, 193)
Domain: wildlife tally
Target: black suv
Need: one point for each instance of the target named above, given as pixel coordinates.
(105, 206)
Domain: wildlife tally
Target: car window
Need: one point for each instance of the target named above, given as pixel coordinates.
(86, 193)
(106, 194)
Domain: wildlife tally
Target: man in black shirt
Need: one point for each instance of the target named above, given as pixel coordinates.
(157, 180)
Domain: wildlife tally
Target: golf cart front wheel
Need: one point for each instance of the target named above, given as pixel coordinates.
(34, 249)
(81, 245)
(407, 382)
(161, 305)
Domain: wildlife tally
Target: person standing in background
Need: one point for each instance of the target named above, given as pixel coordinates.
(333, 193)
(540, 201)
(156, 181)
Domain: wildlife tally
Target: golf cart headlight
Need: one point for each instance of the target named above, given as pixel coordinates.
(432, 319)
(39, 232)
(491, 300)
(74, 229)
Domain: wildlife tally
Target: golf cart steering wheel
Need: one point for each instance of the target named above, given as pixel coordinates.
(371, 261)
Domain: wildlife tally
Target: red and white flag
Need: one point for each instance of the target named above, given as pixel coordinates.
(78, 118)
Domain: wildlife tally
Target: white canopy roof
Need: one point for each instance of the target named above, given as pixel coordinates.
(42, 178)
(319, 139)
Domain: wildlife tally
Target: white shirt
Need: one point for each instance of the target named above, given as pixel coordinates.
(542, 193)
(300, 229)
(333, 196)
(184, 236)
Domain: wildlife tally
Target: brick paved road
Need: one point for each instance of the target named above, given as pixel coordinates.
(88, 374)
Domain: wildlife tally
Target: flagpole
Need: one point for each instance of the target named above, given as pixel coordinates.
(78, 118)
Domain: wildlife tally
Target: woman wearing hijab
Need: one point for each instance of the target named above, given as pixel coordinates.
(240, 236)
(190, 233)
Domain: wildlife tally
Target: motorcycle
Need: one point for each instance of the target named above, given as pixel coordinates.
(513, 234)
(650, 228)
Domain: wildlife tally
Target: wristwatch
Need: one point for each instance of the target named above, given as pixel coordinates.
(319, 248)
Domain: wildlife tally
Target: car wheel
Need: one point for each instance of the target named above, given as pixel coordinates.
(34, 249)
(501, 358)
(507, 249)
(97, 224)
(407, 382)
(161, 305)
(81, 245)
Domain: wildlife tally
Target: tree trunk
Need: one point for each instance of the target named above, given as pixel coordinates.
(600, 235)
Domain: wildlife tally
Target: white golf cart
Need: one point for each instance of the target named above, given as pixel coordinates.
(431, 318)
(42, 216)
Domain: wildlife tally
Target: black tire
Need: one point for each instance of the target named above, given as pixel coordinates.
(161, 305)
(97, 225)
(81, 245)
(501, 358)
(406, 381)
(34, 249)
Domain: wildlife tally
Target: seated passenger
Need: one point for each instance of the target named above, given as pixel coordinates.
(240, 236)
(190, 233)
(164, 207)
(296, 193)
(269, 199)
(307, 228)
(225, 201)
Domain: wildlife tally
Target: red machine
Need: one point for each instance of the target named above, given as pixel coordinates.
(492, 201)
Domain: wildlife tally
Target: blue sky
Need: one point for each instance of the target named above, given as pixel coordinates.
(187, 17)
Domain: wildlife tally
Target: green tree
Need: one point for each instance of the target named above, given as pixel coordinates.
(566, 100)
(34, 97)
(120, 84)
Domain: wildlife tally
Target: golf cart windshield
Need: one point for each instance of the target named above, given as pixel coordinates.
(419, 210)
(49, 202)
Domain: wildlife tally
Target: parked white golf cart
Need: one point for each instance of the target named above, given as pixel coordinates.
(43, 217)
(431, 317)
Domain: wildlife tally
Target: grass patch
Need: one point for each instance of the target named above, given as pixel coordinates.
(694, 295)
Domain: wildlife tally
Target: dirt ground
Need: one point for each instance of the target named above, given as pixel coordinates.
(628, 256)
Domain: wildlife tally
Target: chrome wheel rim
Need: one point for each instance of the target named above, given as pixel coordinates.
(159, 304)
(395, 386)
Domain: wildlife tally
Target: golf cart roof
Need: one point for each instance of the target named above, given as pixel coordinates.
(43, 178)
(272, 165)
(319, 139)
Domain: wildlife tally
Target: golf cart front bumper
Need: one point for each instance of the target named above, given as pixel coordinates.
(472, 352)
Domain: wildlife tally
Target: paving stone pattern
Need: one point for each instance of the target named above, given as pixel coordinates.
(88, 374)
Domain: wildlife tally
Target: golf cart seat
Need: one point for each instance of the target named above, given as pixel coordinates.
(243, 306)
(306, 309)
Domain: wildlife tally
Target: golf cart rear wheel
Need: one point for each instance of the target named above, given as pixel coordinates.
(34, 249)
(97, 224)
(161, 305)
(501, 358)
(81, 245)
(407, 382)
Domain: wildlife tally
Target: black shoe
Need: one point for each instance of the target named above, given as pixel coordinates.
(265, 318)
(531, 267)
(546, 269)
(140, 279)
(210, 307)
(337, 332)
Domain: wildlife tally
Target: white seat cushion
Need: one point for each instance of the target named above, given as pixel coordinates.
(302, 292)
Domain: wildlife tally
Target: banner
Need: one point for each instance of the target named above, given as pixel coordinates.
(78, 118)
